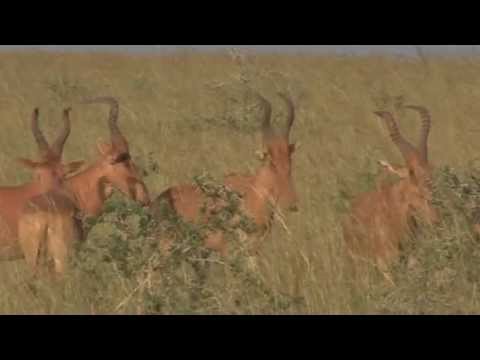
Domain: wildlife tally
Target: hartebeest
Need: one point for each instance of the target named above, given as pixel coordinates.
(49, 174)
(51, 219)
(380, 219)
(271, 185)
(114, 168)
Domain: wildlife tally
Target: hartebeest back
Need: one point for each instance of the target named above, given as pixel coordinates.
(49, 174)
(380, 219)
(271, 185)
(50, 219)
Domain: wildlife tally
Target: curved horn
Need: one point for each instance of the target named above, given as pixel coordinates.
(424, 131)
(267, 114)
(403, 145)
(290, 114)
(42, 143)
(57, 146)
(115, 133)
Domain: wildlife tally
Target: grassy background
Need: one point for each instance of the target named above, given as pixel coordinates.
(194, 110)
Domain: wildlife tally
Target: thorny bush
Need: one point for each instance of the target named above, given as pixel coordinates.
(122, 251)
(440, 258)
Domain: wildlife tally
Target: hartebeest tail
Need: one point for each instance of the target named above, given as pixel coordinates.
(272, 184)
(380, 219)
(49, 174)
(52, 219)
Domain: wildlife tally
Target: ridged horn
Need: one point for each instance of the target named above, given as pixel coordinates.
(59, 143)
(43, 146)
(116, 135)
(290, 112)
(267, 129)
(424, 131)
(403, 145)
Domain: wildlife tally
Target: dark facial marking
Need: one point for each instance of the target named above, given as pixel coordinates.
(122, 158)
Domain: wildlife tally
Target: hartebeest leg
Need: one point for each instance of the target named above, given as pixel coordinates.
(31, 235)
(61, 235)
(216, 241)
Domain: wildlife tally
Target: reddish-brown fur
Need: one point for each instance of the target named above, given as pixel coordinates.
(380, 219)
(114, 168)
(50, 219)
(49, 174)
(271, 185)
(49, 223)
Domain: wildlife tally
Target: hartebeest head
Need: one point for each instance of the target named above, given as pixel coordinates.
(278, 152)
(417, 173)
(49, 171)
(119, 169)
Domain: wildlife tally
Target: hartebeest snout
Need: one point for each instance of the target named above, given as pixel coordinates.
(380, 219)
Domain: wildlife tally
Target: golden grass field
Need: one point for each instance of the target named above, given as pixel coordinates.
(190, 113)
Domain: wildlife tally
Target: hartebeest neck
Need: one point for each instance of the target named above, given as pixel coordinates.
(88, 189)
(397, 200)
(261, 195)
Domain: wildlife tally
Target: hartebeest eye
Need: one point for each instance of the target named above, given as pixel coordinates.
(121, 158)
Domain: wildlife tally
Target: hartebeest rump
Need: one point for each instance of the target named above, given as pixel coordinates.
(49, 174)
(50, 219)
(380, 219)
(271, 185)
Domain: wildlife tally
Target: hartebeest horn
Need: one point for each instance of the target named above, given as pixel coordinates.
(403, 145)
(290, 113)
(424, 131)
(57, 146)
(42, 143)
(267, 129)
(115, 133)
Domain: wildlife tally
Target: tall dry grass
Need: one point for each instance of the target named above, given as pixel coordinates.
(193, 110)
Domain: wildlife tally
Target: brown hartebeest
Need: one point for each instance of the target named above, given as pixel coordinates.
(49, 174)
(114, 168)
(50, 220)
(380, 219)
(271, 185)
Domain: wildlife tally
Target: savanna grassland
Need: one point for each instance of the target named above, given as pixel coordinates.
(190, 115)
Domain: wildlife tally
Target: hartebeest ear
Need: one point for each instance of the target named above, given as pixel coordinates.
(72, 167)
(29, 163)
(402, 172)
(104, 148)
(261, 154)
